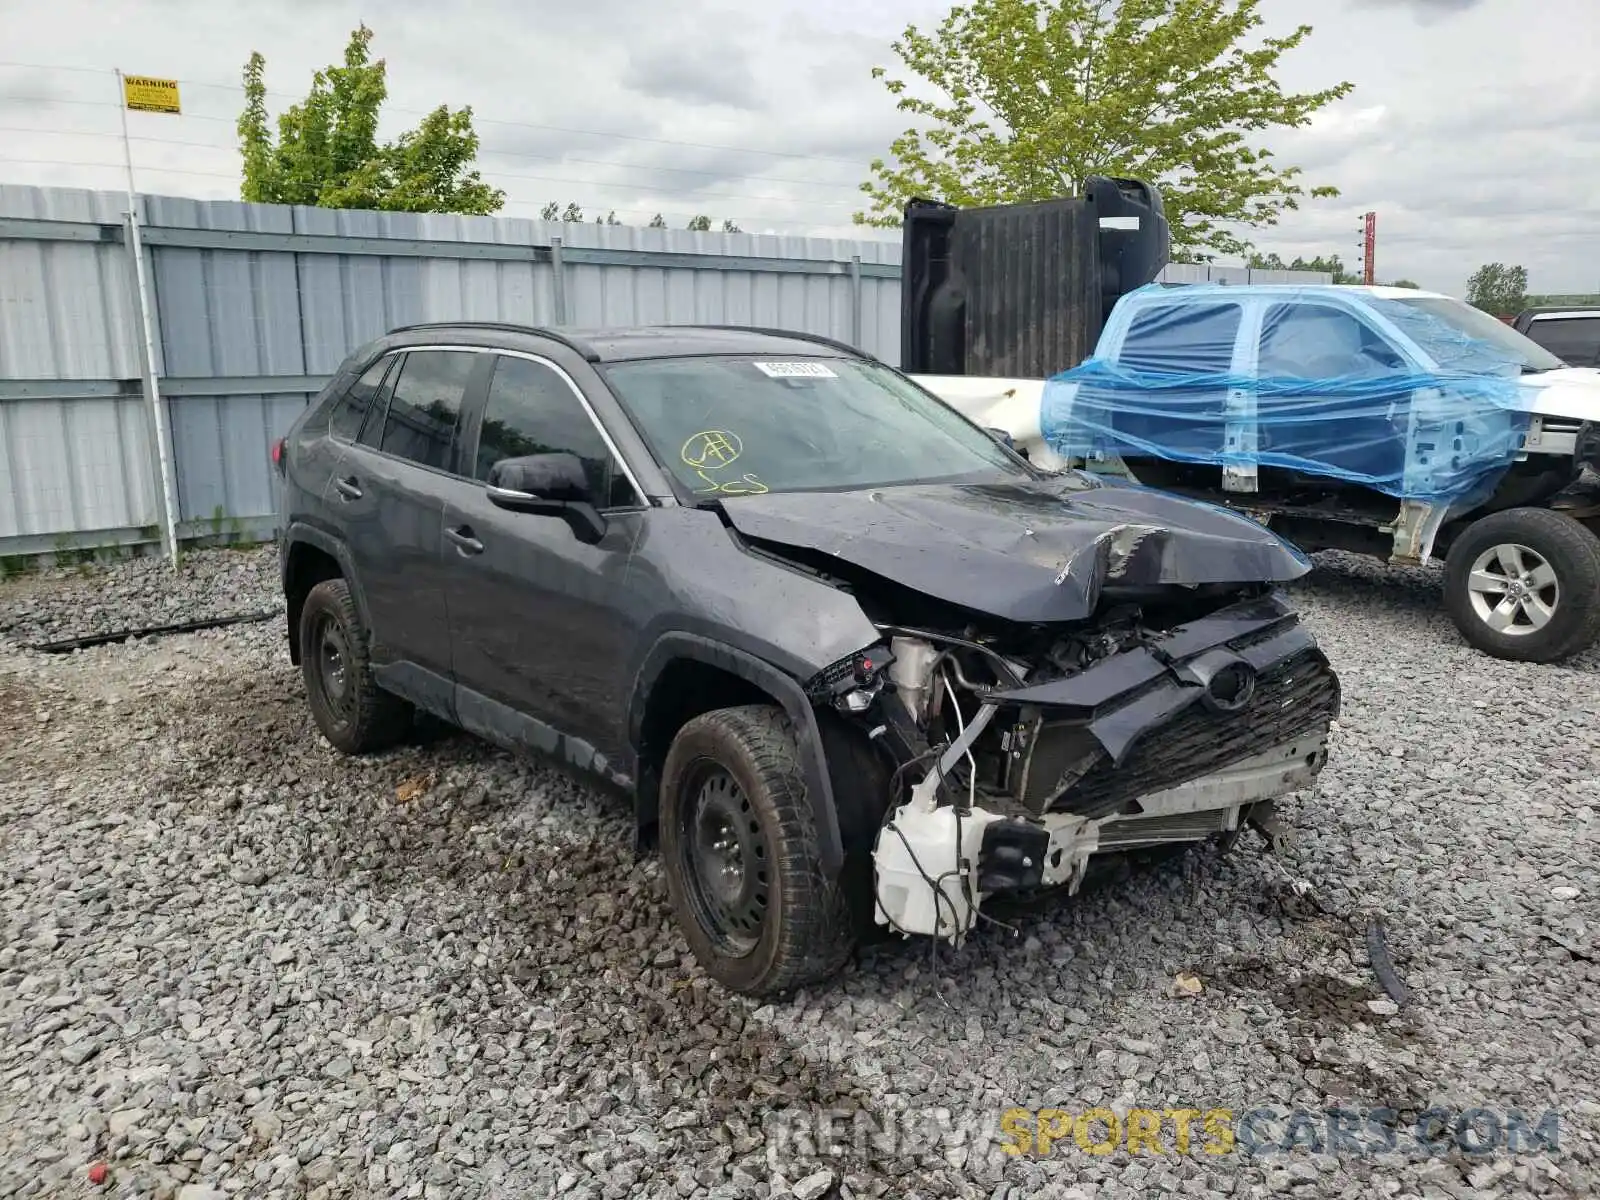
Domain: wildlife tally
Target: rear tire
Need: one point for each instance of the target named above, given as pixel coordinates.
(353, 712)
(739, 844)
(1524, 584)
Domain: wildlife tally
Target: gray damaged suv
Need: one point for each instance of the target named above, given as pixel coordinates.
(861, 667)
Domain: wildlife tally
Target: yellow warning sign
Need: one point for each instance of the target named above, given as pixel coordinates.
(144, 94)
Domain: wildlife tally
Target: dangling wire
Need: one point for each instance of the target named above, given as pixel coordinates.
(961, 723)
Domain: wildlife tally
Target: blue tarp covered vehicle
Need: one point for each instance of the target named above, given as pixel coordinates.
(1388, 421)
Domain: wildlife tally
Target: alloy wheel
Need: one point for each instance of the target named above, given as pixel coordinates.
(1513, 589)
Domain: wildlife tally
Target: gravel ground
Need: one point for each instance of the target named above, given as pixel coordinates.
(139, 593)
(235, 963)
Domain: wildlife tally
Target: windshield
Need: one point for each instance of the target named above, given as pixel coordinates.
(1475, 323)
(739, 426)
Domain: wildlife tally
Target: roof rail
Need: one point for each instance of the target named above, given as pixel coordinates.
(571, 343)
(794, 334)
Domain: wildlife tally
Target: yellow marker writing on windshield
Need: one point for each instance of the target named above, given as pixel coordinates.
(745, 485)
(711, 448)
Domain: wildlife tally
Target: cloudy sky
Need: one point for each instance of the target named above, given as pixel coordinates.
(1473, 131)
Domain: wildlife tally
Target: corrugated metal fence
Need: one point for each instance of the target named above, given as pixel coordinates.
(255, 305)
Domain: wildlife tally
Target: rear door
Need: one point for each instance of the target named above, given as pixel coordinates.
(1185, 421)
(391, 486)
(541, 628)
(1350, 427)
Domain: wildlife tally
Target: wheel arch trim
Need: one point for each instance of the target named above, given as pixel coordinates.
(301, 534)
(674, 647)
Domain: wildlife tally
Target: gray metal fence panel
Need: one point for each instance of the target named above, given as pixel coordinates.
(1235, 275)
(78, 462)
(256, 305)
(1264, 275)
(1208, 273)
(69, 466)
(1184, 273)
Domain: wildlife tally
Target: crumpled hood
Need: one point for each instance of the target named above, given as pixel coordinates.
(1031, 551)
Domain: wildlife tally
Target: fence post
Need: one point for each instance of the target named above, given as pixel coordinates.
(559, 285)
(152, 388)
(855, 301)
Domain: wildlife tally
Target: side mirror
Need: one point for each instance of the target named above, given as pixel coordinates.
(540, 476)
(550, 485)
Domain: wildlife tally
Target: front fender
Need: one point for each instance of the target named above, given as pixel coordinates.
(672, 647)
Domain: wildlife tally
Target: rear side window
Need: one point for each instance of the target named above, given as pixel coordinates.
(531, 409)
(425, 406)
(353, 406)
(1574, 340)
(1182, 339)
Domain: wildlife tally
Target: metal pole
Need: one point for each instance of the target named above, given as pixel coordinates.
(152, 386)
(855, 301)
(1369, 249)
(560, 281)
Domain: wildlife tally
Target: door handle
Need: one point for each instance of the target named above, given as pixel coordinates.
(466, 544)
(348, 487)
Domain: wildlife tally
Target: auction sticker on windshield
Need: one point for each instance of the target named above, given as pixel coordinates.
(795, 370)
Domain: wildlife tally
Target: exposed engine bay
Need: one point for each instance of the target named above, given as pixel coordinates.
(1024, 750)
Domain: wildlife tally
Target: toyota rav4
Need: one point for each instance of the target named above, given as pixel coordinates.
(860, 665)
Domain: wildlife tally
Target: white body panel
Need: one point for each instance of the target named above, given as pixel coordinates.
(1009, 404)
(1572, 394)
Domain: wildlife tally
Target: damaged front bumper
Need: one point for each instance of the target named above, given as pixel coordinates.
(1175, 740)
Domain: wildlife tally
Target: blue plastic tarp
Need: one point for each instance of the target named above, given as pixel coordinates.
(1370, 391)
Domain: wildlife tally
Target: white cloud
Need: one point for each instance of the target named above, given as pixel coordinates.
(1474, 129)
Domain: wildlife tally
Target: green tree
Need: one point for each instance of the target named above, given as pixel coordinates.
(658, 222)
(1406, 283)
(609, 219)
(698, 224)
(1498, 289)
(1332, 264)
(571, 214)
(326, 151)
(1034, 95)
(728, 226)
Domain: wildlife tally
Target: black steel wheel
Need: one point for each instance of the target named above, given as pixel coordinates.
(739, 844)
(353, 712)
(331, 677)
(726, 873)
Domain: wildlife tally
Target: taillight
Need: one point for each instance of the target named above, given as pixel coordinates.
(277, 455)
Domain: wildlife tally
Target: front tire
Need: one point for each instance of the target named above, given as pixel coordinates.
(353, 712)
(739, 845)
(1524, 584)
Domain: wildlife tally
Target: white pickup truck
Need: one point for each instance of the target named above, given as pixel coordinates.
(1522, 555)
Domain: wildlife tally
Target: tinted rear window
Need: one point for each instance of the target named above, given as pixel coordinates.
(1574, 340)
